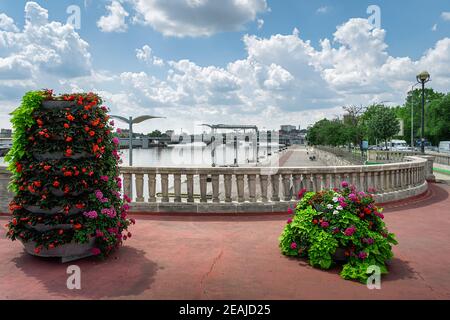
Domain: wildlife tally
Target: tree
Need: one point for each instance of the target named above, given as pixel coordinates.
(354, 130)
(155, 134)
(438, 120)
(383, 123)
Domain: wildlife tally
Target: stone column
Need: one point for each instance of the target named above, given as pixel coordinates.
(203, 188)
(151, 187)
(227, 182)
(263, 181)
(139, 187)
(252, 187)
(215, 188)
(240, 187)
(429, 176)
(190, 187)
(177, 187)
(275, 182)
(165, 187)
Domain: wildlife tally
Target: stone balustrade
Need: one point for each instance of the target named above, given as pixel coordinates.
(262, 189)
(255, 189)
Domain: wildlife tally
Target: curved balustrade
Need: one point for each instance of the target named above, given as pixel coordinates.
(263, 189)
(255, 189)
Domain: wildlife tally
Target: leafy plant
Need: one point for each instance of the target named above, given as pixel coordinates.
(342, 220)
(66, 160)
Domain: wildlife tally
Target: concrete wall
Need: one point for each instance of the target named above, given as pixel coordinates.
(5, 195)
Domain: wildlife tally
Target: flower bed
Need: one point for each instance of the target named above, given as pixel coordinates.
(64, 162)
(339, 225)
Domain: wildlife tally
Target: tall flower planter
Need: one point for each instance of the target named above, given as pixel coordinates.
(64, 161)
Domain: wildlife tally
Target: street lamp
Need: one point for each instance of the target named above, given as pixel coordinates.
(423, 78)
(412, 116)
(130, 122)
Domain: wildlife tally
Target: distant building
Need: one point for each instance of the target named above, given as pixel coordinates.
(289, 135)
(5, 133)
(287, 128)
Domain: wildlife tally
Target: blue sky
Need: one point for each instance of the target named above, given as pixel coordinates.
(252, 61)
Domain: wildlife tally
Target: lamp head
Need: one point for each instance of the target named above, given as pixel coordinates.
(423, 77)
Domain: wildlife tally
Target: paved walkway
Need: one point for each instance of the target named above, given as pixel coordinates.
(188, 257)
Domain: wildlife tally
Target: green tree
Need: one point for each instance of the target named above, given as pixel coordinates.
(438, 120)
(155, 134)
(382, 124)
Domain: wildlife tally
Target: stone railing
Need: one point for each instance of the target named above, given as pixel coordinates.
(390, 156)
(255, 189)
(216, 190)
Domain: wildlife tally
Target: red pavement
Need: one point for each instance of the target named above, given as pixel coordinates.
(219, 257)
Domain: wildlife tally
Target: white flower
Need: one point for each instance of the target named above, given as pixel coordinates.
(335, 212)
(335, 199)
(330, 206)
(339, 208)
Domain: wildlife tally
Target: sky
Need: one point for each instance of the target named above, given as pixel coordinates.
(258, 62)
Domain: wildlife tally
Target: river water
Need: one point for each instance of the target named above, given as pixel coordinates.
(195, 154)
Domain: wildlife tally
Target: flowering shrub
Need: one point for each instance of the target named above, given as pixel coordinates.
(337, 221)
(65, 174)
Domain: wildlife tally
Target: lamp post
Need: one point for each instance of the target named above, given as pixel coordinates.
(130, 122)
(412, 116)
(423, 78)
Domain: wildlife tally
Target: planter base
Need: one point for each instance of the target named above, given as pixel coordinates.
(67, 252)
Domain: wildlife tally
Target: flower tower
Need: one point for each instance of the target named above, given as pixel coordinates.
(66, 180)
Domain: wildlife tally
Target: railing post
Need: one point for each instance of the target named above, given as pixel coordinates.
(203, 188)
(177, 186)
(152, 187)
(286, 187)
(165, 187)
(263, 182)
(252, 187)
(190, 187)
(127, 184)
(139, 187)
(240, 187)
(215, 188)
(227, 181)
(275, 182)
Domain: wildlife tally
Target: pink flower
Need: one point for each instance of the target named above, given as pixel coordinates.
(119, 130)
(301, 193)
(324, 224)
(115, 140)
(111, 122)
(126, 198)
(104, 178)
(289, 210)
(350, 231)
(91, 214)
(344, 184)
(362, 255)
(293, 245)
(98, 233)
(96, 251)
(126, 207)
(289, 221)
(98, 194)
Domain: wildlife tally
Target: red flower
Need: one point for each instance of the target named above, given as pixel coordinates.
(37, 184)
(70, 117)
(68, 173)
(47, 167)
(39, 122)
(69, 139)
(69, 152)
(18, 167)
(60, 231)
(66, 125)
(77, 226)
(56, 184)
(91, 133)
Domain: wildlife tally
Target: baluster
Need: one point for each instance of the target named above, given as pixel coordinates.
(240, 187)
(127, 184)
(177, 186)
(165, 187)
(190, 187)
(286, 187)
(151, 187)
(275, 182)
(215, 188)
(263, 181)
(382, 185)
(252, 187)
(139, 187)
(203, 187)
(297, 184)
(227, 181)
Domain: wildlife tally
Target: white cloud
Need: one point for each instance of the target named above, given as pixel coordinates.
(445, 15)
(197, 17)
(115, 20)
(323, 10)
(7, 23)
(260, 23)
(146, 54)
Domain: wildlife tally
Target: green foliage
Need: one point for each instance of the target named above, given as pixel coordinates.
(22, 119)
(339, 219)
(382, 124)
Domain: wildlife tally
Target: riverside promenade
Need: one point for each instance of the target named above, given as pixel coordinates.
(218, 256)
